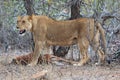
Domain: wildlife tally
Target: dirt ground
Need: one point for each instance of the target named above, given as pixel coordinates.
(57, 72)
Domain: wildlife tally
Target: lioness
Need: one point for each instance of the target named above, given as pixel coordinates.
(48, 32)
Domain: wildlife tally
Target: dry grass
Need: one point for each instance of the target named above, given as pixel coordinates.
(64, 72)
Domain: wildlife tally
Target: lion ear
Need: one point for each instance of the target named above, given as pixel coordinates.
(30, 17)
(19, 17)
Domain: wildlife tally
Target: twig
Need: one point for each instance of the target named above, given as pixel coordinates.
(108, 17)
(65, 60)
(39, 74)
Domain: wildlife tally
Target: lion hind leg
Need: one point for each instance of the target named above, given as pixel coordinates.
(101, 57)
(97, 49)
(84, 58)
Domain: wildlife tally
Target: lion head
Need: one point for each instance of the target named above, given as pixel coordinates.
(24, 23)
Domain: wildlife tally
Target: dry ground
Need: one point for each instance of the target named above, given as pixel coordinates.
(55, 72)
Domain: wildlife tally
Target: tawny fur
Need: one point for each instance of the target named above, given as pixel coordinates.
(48, 32)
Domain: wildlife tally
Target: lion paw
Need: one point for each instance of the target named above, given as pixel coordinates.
(32, 64)
(99, 64)
(79, 64)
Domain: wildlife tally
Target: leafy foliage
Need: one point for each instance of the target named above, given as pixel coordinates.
(57, 9)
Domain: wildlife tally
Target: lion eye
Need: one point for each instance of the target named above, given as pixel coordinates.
(23, 21)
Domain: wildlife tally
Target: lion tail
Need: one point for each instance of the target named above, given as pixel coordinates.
(102, 32)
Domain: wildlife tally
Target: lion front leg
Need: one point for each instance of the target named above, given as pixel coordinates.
(46, 52)
(37, 52)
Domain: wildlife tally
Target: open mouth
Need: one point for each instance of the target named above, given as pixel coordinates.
(22, 31)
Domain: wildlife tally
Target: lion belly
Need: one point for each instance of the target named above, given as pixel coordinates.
(63, 43)
(62, 38)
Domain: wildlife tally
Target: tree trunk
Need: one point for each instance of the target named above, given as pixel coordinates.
(75, 13)
(28, 4)
(29, 7)
(75, 9)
